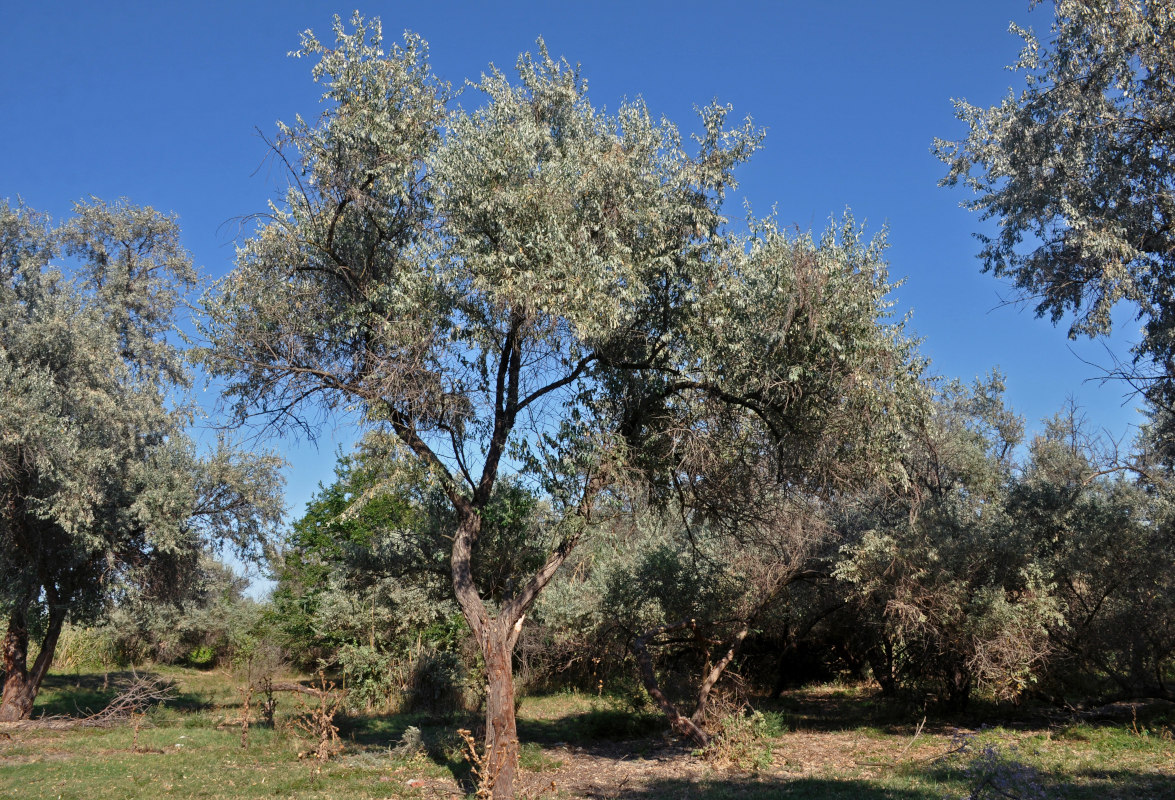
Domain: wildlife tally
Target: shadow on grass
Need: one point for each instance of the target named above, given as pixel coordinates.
(1098, 784)
(593, 726)
(600, 732)
(828, 709)
(84, 694)
(442, 745)
(597, 725)
(387, 730)
(769, 788)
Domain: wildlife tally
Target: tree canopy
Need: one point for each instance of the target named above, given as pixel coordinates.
(1079, 171)
(544, 290)
(100, 486)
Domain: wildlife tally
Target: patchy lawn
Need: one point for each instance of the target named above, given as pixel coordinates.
(821, 742)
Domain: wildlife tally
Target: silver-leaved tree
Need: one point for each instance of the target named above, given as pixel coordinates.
(101, 490)
(1079, 171)
(540, 290)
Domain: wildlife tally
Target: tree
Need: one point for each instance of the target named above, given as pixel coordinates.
(1105, 536)
(1079, 171)
(540, 291)
(100, 488)
(698, 595)
(946, 583)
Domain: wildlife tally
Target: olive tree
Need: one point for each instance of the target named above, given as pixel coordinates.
(100, 487)
(543, 291)
(1079, 171)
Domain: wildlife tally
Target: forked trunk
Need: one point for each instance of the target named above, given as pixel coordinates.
(20, 683)
(496, 637)
(684, 726)
(715, 673)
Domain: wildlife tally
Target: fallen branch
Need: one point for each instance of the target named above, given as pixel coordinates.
(134, 700)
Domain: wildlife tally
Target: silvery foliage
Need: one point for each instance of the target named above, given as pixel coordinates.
(413, 242)
(542, 290)
(1105, 536)
(943, 574)
(99, 481)
(1079, 169)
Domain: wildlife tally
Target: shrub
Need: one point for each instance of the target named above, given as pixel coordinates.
(201, 656)
(743, 740)
(436, 683)
(368, 674)
(86, 648)
(996, 772)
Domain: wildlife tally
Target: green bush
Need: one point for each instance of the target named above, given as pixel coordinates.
(743, 741)
(436, 683)
(87, 649)
(368, 676)
(202, 656)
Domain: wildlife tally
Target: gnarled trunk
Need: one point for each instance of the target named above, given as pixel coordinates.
(20, 683)
(496, 636)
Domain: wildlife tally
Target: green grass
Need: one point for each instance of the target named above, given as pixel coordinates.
(826, 742)
(570, 717)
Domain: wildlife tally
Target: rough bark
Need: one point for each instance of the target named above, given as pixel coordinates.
(497, 635)
(20, 683)
(501, 725)
(16, 704)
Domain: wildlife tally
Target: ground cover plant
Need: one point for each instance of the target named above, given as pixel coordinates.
(823, 741)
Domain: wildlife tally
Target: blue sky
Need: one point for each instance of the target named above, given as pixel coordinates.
(161, 103)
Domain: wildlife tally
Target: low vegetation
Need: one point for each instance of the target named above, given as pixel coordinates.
(824, 741)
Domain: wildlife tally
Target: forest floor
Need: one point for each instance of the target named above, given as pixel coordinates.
(827, 741)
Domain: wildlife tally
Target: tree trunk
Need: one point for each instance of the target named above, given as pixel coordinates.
(497, 637)
(699, 715)
(501, 758)
(21, 684)
(959, 688)
(17, 702)
(682, 724)
(881, 661)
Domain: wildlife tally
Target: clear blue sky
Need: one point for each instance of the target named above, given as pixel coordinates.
(160, 102)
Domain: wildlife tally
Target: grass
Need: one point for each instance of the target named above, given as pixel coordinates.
(823, 742)
(572, 717)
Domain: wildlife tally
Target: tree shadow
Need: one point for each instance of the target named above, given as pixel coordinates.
(1098, 784)
(603, 725)
(439, 737)
(771, 788)
(840, 710)
(82, 695)
(1082, 785)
